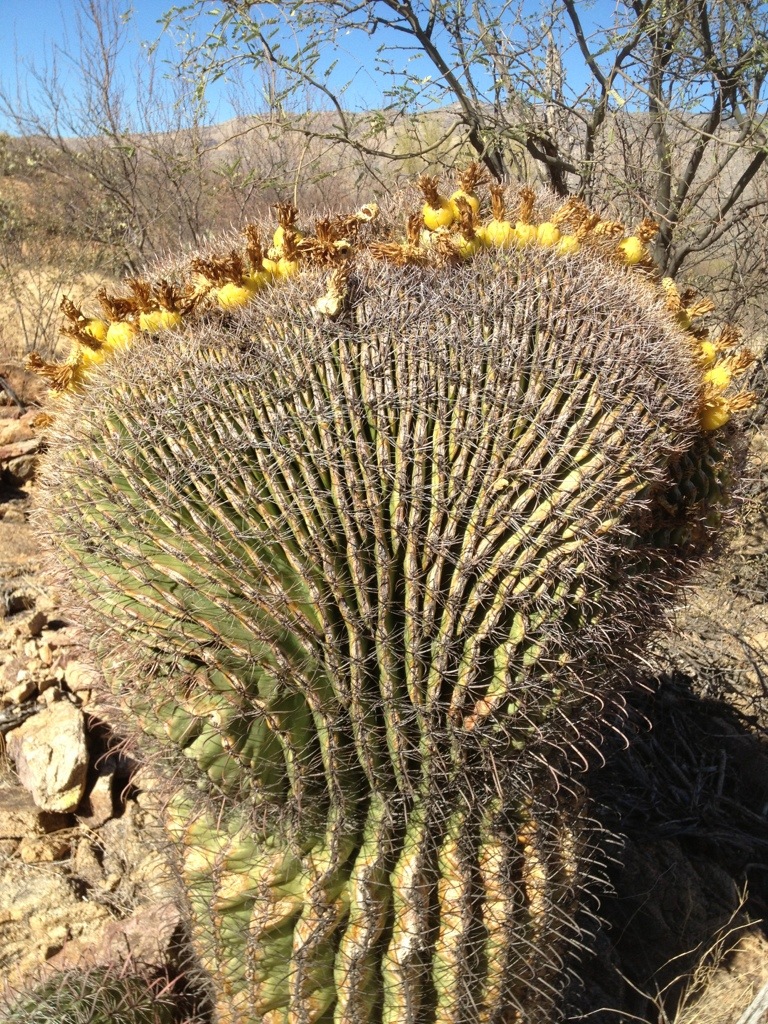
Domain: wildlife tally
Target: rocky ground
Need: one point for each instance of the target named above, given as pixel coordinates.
(81, 880)
(682, 936)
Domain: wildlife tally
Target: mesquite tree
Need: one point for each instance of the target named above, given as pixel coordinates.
(660, 107)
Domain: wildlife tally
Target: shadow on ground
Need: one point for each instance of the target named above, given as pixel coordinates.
(687, 799)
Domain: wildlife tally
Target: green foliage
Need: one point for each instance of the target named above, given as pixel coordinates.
(18, 157)
(12, 223)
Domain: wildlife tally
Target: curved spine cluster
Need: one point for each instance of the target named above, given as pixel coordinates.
(93, 996)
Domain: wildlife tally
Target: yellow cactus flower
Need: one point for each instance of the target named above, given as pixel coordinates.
(497, 234)
(567, 245)
(234, 296)
(440, 216)
(715, 414)
(281, 267)
(278, 239)
(90, 357)
(468, 197)
(287, 268)
(469, 179)
(463, 239)
(633, 250)
(169, 319)
(120, 334)
(548, 234)
(437, 211)
(466, 247)
(96, 329)
(255, 280)
(286, 229)
(719, 377)
(150, 322)
(708, 353)
(158, 320)
(525, 234)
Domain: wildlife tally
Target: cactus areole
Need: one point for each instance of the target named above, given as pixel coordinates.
(372, 545)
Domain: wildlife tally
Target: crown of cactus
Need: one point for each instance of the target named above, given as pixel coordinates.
(377, 525)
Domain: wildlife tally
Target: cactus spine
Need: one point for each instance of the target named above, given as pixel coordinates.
(91, 997)
(378, 553)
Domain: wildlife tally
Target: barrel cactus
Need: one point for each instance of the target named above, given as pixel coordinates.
(372, 526)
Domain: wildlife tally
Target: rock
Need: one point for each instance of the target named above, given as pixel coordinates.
(79, 675)
(19, 428)
(45, 654)
(65, 636)
(144, 938)
(18, 461)
(19, 471)
(9, 452)
(97, 807)
(53, 938)
(45, 849)
(113, 881)
(11, 432)
(39, 912)
(19, 693)
(11, 511)
(9, 673)
(45, 683)
(29, 387)
(20, 816)
(51, 756)
(86, 865)
(36, 623)
(131, 846)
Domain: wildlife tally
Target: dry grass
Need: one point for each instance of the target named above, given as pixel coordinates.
(30, 297)
(724, 982)
(727, 985)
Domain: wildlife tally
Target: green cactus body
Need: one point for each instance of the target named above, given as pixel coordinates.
(444, 915)
(358, 961)
(378, 567)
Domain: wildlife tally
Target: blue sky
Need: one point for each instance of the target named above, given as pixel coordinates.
(31, 30)
(34, 22)
(30, 27)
